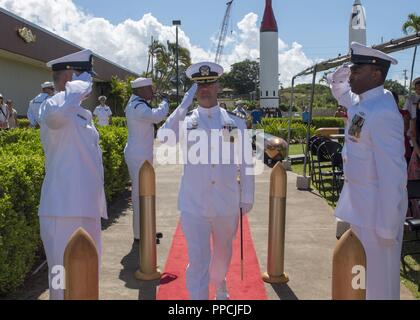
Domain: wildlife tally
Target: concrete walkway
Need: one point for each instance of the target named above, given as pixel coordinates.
(310, 240)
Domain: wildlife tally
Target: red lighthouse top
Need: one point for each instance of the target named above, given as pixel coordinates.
(269, 23)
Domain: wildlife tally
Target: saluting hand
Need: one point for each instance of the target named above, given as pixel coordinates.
(84, 76)
(189, 96)
(341, 75)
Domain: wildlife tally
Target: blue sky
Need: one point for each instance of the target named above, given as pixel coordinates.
(308, 30)
(320, 26)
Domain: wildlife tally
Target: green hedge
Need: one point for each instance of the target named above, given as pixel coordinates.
(113, 141)
(23, 123)
(317, 122)
(279, 126)
(280, 129)
(119, 122)
(22, 173)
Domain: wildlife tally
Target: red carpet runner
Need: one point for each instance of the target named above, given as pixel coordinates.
(173, 285)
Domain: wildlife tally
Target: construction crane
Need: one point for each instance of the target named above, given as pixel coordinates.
(223, 32)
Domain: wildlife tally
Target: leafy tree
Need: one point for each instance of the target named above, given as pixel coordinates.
(243, 77)
(120, 93)
(396, 87)
(164, 73)
(323, 98)
(412, 25)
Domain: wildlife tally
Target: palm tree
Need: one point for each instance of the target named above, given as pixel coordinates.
(412, 25)
(165, 64)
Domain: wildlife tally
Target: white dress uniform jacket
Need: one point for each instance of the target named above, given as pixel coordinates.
(103, 113)
(74, 180)
(210, 197)
(374, 196)
(34, 108)
(141, 119)
(375, 190)
(211, 189)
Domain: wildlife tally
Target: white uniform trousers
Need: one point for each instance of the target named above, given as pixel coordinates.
(383, 265)
(205, 267)
(134, 169)
(55, 234)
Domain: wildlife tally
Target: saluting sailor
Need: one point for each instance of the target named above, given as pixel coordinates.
(35, 104)
(141, 121)
(73, 190)
(210, 197)
(374, 196)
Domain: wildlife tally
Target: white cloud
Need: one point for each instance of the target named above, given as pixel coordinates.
(126, 43)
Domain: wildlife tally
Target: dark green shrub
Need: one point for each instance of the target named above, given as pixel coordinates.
(21, 176)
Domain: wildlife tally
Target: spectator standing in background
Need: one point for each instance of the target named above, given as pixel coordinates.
(4, 124)
(12, 115)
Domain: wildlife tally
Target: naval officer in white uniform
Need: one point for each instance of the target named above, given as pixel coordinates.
(141, 121)
(210, 198)
(35, 103)
(374, 197)
(103, 112)
(73, 190)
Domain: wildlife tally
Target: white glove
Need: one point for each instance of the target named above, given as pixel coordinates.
(78, 90)
(339, 84)
(246, 207)
(85, 76)
(342, 74)
(164, 105)
(189, 97)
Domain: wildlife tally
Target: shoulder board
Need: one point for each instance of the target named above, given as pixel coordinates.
(237, 114)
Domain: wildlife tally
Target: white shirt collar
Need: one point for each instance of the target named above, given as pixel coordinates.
(372, 93)
(209, 111)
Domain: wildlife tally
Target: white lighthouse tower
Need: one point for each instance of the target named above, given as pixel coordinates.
(269, 59)
(357, 28)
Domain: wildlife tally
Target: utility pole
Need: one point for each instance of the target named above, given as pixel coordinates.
(405, 78)
(177, 23)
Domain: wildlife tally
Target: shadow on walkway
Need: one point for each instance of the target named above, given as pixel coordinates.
(284, 292)
(147, 289)
(118, 208)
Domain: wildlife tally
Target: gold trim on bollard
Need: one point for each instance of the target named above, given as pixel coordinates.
(277, 227)
(81, 265)
(349, 260)
(148, 270)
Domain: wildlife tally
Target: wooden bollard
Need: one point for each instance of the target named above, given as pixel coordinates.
(349, 269)
(148, 270)
(81, 267)
(277, 227)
